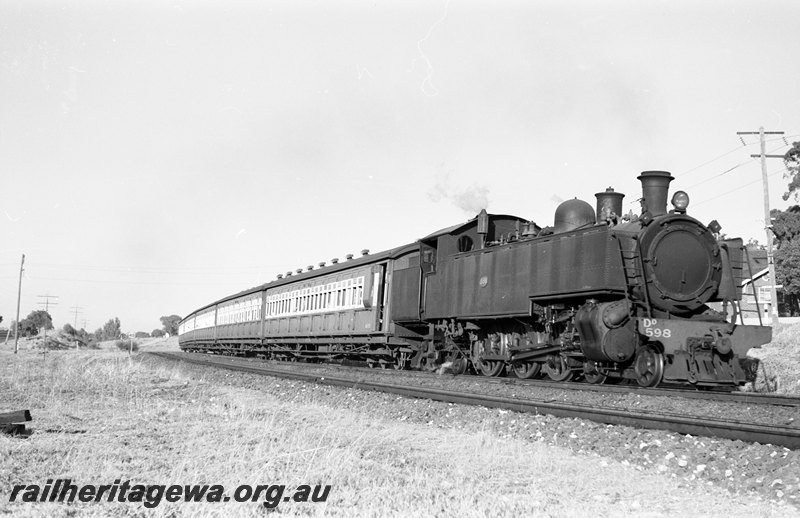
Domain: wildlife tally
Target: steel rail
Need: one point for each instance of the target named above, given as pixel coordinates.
(748, 432)
(753, 398)
(749, 398)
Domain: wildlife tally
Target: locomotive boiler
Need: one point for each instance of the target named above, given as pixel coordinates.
(599, 296)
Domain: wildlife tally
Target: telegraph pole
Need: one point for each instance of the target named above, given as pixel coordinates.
(767, 219)
(19, 295)
(75, 310)
(47, 310)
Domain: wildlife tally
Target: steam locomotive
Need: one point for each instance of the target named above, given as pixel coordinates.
(598, 296)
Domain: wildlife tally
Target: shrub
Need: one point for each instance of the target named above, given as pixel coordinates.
(125, 345)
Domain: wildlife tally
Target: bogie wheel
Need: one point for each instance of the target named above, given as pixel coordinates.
(649, 366)
(527, 370)
(491, 368)
(557, 369)
(592, 374)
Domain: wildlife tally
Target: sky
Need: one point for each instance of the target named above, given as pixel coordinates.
(159, 155)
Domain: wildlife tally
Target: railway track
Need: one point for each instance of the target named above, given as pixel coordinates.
(719, 395)
(787, 436)
(751, 398)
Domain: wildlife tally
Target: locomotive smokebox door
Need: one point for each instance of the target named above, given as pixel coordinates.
(683, 262)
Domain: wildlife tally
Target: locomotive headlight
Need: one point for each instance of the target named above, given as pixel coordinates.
(680, 200)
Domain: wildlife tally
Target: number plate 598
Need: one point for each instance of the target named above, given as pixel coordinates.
(652, 329)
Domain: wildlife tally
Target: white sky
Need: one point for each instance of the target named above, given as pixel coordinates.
(156, 156)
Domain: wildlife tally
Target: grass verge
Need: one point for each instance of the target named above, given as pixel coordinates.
(100, 416)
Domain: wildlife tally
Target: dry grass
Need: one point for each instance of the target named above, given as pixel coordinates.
(101, 416)
(781, 359)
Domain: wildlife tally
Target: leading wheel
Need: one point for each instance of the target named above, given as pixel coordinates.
(557, 369)
(649, 366)
(527, 370)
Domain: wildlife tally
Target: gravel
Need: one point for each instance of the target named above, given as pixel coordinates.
(668, 404)
(758, 470)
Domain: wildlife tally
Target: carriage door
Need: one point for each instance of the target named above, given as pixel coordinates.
(378, 291)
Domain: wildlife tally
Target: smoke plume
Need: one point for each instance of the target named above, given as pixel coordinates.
(469, 199)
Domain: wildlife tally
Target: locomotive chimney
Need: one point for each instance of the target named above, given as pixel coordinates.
(608, 203)
(655, 188)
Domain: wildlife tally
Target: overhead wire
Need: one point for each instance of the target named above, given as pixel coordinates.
(737, 148)
(148, 269)
(119, 281)
(737, 188)
(730, 169)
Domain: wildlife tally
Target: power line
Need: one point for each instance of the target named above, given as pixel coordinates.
(200, 270)
(737, 148)
(116, 281)
(720, 174)
(748, 184)
(708, 162)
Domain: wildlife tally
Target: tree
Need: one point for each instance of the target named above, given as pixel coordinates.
(40, 318)
(27, 328)
(111, 329)
(786, 227)
(170, 324)
(30, 325)
(157, 333)
(792, 161)
(785, 224)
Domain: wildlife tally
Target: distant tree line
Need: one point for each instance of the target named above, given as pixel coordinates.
(111, 330)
